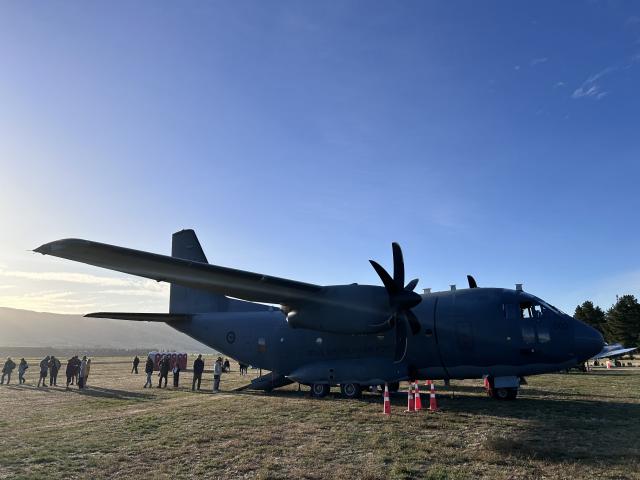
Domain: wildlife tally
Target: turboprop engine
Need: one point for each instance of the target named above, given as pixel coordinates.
(364, 309)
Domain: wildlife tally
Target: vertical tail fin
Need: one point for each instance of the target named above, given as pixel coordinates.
(185, 245)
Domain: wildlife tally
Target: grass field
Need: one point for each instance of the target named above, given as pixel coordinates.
(562, 426)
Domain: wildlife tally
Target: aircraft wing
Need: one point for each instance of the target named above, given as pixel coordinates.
(250, 286)
(613, 353)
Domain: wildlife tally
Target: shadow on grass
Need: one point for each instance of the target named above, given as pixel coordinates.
(112, 393)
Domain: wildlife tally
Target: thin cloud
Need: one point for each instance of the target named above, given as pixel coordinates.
(538, 61)
(81, 278)
(590, 88)
(559, 84)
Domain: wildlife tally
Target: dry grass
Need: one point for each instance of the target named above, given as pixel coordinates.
(563, 426)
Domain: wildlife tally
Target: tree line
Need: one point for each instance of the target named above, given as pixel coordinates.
(619, 324)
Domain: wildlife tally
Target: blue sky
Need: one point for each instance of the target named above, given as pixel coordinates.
(300, 139)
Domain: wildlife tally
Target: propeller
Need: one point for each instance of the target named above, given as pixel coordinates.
(402, 299)
(472, 282)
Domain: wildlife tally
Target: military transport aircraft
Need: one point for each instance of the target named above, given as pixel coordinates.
(349, 335)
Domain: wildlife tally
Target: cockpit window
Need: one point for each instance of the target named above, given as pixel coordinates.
(530, 310)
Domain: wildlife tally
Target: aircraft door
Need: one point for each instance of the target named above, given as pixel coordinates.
(425, 355)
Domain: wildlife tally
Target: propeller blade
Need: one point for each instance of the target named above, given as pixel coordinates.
(398, 265)
(412, 284)
(413, 321)
(401, 341)
(388, 282)
(472, 282)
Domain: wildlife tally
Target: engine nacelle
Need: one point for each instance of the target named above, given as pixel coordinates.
(346, 309)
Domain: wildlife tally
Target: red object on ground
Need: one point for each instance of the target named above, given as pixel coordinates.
(411, 405)
(433, 404)
(386, 409)
(418, 402)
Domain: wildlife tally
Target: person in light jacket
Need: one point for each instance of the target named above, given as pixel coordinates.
(217, 371)
(86, 373)
(81, 373)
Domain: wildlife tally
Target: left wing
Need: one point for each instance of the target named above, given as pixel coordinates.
(142, 317)
(250, 286)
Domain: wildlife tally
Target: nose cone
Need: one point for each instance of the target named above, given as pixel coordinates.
(588, 341)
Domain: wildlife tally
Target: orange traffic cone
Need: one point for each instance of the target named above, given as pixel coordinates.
(417, 397)
(411, 405)
(433, 404)
(386, 409)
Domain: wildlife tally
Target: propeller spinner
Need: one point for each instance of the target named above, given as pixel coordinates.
(402, 299)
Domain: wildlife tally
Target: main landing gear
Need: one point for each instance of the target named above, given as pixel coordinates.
(502, 388)
(348, 390)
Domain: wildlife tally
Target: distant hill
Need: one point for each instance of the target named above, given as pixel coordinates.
(24, 328)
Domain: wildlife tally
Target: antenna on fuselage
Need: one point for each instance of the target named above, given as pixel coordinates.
(472, 282)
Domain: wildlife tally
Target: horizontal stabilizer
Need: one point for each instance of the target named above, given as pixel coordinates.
(142, 317)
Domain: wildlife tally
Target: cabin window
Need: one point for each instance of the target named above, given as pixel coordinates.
(543, 334)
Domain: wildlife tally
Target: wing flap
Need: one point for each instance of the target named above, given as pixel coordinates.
(250, 286)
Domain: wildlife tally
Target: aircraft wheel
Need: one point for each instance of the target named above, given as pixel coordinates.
(505, 393)
(320, 390)
(351, 390)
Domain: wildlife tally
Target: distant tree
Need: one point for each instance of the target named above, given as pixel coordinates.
(591, 315)
(623, 321)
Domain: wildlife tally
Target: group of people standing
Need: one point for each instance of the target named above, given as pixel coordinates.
(165, 365)
(9, 366)
(77, 370)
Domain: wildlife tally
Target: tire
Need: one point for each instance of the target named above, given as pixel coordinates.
(320, 390)
(505, 393)
(351, 390)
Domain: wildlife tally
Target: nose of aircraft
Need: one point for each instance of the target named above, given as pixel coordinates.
(588, 341)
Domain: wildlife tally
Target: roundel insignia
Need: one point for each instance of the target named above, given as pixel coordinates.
(231, 337)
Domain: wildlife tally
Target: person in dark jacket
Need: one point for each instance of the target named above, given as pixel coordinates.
(54, 366)
(136, 361)
(164, 370)
(75, 370)
(9, 365)
(44, 371)
(198, 368)
(22, 368)
(69, 371)
(148, 369)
